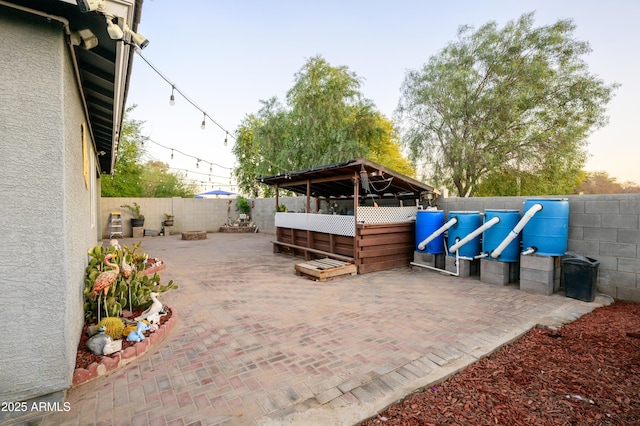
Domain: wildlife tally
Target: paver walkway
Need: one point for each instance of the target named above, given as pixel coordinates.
(257, 344)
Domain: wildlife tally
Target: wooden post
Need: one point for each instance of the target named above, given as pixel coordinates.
(356, 255)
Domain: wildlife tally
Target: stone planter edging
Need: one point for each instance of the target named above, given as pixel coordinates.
(124, 357)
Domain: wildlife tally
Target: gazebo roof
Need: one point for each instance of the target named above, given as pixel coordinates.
(337, 180)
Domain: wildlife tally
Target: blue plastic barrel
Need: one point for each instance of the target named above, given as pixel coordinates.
(467, 223)
(427, 222)
(548, 229)
(494, 236)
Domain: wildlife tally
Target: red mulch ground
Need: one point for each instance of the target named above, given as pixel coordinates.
(588, 372)
(84, 358)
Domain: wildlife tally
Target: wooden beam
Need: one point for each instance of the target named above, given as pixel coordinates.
(307, 249)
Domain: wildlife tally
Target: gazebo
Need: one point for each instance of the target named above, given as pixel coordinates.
(365, 214)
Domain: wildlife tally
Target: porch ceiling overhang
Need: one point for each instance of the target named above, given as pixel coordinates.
(337, 180)
(103, 71)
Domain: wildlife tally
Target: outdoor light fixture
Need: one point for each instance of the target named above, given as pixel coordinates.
(84, 38)
(137, 38)
(90, 5)
(115, 32)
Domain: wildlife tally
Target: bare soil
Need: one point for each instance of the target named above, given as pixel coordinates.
(587, 372)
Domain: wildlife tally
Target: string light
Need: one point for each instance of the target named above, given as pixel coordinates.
(172, 99)
(172, 154)
(198, 164)
(225, 138)
(202, 126)
(177, 89)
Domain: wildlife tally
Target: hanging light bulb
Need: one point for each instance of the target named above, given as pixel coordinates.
(204, 116)
(209, 178)
(210, 167)
(225, 138)
(172, 99)
(172, 154)
(198, 164)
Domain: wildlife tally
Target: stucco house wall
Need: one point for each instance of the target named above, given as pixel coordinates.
(46, 210)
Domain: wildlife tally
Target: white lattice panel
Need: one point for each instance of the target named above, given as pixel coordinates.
(330, 224)
(333, 224)
(291, 220)
(386, 214)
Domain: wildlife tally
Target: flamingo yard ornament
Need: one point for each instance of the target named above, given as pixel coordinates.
(126, 271)
(105, 280)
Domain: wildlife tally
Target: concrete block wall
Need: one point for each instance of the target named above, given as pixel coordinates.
(196, 214)
(602, 227)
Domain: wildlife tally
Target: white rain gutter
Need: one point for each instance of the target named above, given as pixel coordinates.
(454, 248)
(439, 231)
(516, 230)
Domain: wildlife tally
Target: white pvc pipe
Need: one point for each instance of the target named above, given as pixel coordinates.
(455, 274)
(454, 248)
(516, 230)
(529, 251)
(439, 231)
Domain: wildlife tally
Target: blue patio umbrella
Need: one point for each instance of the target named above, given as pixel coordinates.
(214, 192)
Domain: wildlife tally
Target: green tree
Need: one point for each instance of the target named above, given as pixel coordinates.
(601, 183)
(159, 182)
(134, 178)
(504, 111)
(126, 180)
(326, 120)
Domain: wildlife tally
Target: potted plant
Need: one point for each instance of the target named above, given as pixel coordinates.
(168, 219)
(138, 219)
(244, 206)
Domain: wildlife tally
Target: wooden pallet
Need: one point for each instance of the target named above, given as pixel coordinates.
(324, 269)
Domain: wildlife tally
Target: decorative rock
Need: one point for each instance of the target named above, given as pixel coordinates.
(108, 364)
(97, 343)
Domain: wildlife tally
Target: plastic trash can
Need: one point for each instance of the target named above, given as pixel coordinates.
(580, 276)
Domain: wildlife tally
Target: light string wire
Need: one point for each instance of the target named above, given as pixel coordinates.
(188, 99)
(177, 89)
(198, 159)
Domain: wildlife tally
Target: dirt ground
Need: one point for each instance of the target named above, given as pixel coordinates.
(586, 372)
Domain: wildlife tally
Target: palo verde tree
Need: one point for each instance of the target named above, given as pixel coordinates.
(504, 111)
(326, 119)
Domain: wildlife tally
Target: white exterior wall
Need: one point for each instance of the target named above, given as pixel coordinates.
(45, 210)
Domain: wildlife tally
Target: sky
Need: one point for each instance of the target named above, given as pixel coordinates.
(227, 57)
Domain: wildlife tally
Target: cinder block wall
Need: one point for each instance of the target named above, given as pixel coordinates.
(196, 214)
(602, 227)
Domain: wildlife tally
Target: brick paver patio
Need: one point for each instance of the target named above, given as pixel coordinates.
(257, 344)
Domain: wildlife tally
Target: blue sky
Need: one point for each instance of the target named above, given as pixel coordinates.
(228, 56)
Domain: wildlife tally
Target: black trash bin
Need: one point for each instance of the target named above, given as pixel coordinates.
(580, 276)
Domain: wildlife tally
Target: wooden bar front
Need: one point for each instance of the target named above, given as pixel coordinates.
(376, 246)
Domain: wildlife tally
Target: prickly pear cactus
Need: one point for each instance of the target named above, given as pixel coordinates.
(118, 294)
